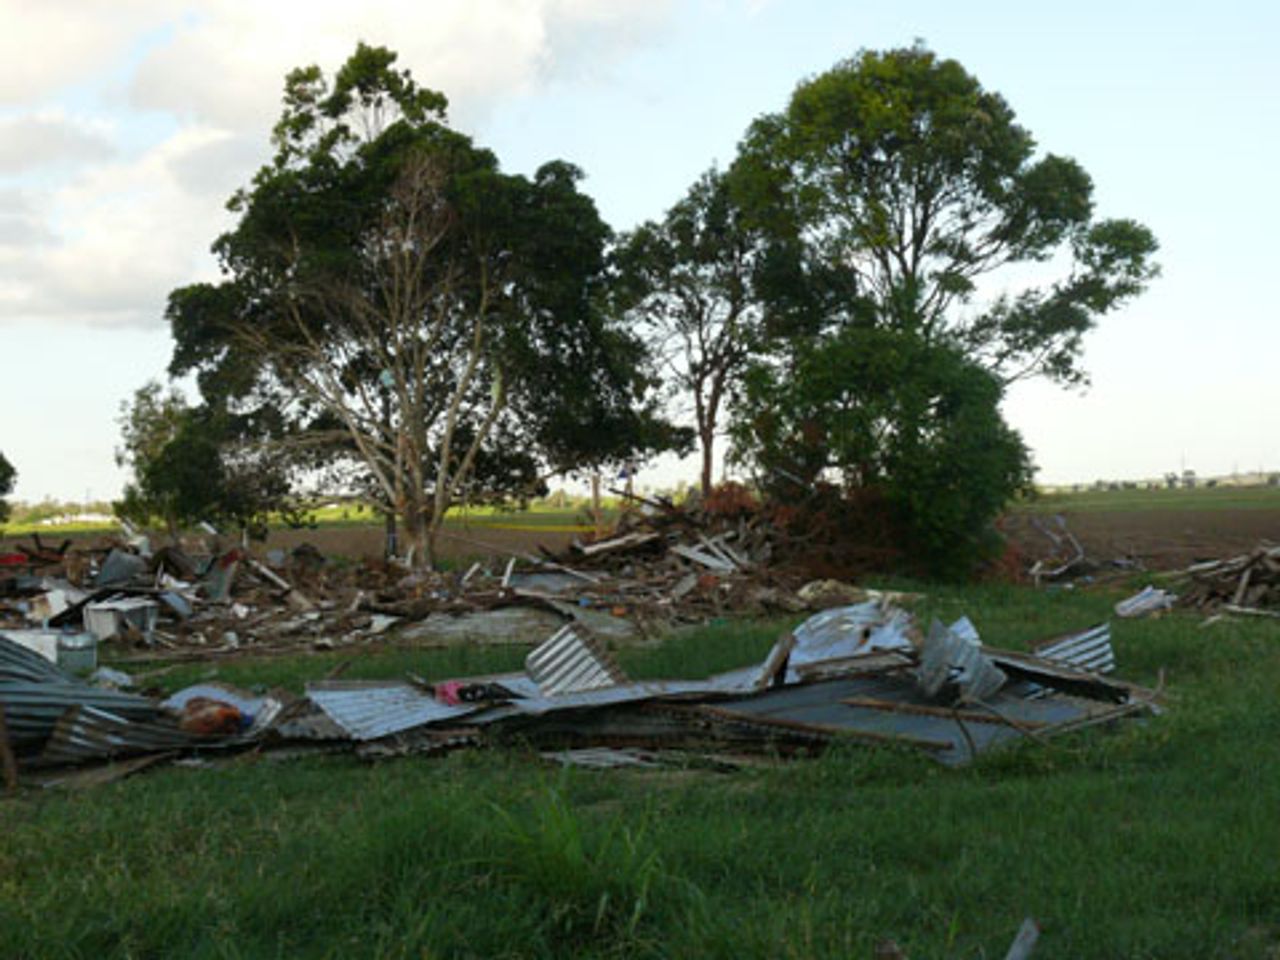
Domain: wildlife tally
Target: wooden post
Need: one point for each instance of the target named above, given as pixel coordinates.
(6, 756)
(597, 514)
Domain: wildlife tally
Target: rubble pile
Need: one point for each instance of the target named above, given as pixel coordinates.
(861, 674)
(1248, 584)
(660, 567)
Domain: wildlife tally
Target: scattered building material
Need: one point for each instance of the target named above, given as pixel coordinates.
(1149, 600)
(1248, 584)
(567, 663)
(858, 674)
(1089, 649)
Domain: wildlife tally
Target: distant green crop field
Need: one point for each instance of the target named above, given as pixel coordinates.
(536, 517)
(1199, 498)
(54, 531)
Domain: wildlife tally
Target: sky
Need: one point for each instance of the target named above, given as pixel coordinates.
(124, 128)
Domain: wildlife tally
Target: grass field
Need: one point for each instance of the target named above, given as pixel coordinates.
(536, 517)
(1196, 499)
(1153, 840)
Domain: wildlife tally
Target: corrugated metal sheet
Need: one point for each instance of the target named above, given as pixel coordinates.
(567, 663)
(85, 733)
(1089, 649)
(890, 709)
(370, 710)
(950, 659)
(19, 664)
(35, 694)
(1147, 600)
(843, 632)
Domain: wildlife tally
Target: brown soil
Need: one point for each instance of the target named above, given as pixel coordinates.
(1159, 539)
(456, 542)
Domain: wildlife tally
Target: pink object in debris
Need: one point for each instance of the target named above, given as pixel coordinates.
(447, 692)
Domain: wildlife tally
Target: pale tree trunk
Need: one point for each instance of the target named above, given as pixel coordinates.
(417, 531)
(708, 439)
(597, 514)
(707, 413)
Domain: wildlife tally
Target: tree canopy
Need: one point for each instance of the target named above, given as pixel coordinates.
(407, 308)
(8, 476)
(689, 283)
(902, 174)
(200, 463)
(880, 411)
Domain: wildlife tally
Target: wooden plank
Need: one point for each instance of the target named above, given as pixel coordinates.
(7, 759)
(616, 543)
(943, 713)
(1238, 597)
(705, 559)
(1025, 941)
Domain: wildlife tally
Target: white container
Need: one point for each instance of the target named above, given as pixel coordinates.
(105, 618)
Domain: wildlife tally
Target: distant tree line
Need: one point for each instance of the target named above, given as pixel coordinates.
(400, 317)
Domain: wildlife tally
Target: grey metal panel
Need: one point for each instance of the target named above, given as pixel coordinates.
(83, 733)
(1089, 649)
(612, 696)
(35, 693)
(368, 711)
(566, 663)
(948, 658)
(821, 704)
(19, 664)
(119, 567)
(844, 632)
(32, 709)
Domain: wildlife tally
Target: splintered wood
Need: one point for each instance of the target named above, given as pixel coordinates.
(1247, 584)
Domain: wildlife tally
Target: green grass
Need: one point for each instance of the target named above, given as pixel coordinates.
(53, 534)
(1157, 839)
(536, 517)
(1199, 498)
(688, 654)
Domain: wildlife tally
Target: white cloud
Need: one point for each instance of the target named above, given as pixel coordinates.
(107, 236)
(226, 64)
(130, 232)
(20, 223)
(35, 141)
(47, 45)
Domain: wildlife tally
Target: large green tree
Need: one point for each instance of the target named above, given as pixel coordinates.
(8, 475)
(410, 311)
(945, 259)
(916, 425)
(898, 170)
(689, 282)
(197, 463)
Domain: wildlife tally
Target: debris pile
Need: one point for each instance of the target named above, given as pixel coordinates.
(863, 674)
(660, 568)
(1248, 584)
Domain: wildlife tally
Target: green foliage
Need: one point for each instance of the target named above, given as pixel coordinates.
(148, 423)
(689, 282)
(911, 204)
(194, 463)
(595, 886)
(8, 476)
(899, 171)
(883, 412)
(425, 326)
